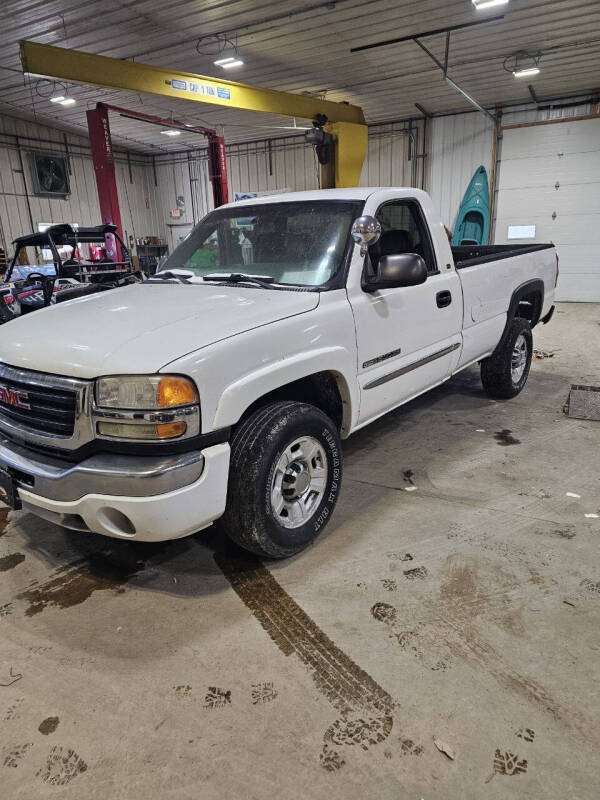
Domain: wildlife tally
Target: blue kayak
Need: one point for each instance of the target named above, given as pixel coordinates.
(472, 222)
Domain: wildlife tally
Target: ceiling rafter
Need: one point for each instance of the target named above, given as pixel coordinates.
(309, 52)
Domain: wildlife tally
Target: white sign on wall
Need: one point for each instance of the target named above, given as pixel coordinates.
(521, 232)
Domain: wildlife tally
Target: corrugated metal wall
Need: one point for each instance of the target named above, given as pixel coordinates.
(15, 182)
(270, 165)
(392, 156)
(148, 189)
(458, 145)
(278, 165)
(21, 210)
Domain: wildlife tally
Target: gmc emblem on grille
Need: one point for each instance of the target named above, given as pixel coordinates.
(12, 397)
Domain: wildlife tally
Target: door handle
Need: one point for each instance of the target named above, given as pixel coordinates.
(443, 299)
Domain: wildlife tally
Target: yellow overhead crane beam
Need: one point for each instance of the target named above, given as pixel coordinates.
(345, 122)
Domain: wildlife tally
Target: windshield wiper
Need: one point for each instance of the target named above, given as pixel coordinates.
(168, 276)
(266, 281)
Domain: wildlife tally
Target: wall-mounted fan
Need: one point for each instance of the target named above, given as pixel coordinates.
(50, 175)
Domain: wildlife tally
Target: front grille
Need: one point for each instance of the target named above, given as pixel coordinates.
(51, 410)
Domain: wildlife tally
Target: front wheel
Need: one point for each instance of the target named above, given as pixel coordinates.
(505, 372)
(284, 479)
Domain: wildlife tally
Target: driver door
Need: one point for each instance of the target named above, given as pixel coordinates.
(406, 336)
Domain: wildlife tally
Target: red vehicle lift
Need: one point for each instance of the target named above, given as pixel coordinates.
(104, 163)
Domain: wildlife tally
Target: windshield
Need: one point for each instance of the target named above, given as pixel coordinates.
(301, 244)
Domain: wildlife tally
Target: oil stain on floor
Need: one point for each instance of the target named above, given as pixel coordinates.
(505, 438)
(75, 582)
(365, 707)
(48, 726)
(11, 561)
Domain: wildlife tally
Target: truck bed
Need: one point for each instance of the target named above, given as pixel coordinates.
(470, 255)
(489, 276)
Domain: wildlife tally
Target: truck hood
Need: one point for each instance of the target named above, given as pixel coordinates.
(141, 328)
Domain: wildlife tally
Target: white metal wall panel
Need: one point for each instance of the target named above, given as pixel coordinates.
(458, 145)
(172, 181)
(386, 163)
(550, 177)
(282, 164)
(82, 205)
(256, 167)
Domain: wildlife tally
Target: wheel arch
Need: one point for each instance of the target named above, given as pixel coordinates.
(526, 301)
(327, 389)
(532, 293)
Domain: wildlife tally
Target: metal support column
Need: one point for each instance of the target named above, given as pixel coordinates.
(106, 180)
(217, 169)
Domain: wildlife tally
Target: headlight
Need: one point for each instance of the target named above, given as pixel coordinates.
(146, 407)
(145, 391)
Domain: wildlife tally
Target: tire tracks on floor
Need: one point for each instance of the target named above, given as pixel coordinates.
(365, 708)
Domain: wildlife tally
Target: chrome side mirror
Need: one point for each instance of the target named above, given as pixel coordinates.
(365, 232)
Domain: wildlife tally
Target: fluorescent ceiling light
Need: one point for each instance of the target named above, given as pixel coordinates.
(67, 101)
(228, 58)
(171, 132)
(481, 4)
(57, 99)
(526, 72)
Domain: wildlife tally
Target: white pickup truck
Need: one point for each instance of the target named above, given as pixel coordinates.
(222, 387)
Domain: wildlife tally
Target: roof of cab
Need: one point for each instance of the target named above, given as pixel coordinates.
(356, 193)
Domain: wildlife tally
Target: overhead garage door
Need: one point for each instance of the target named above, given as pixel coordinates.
(550, 178)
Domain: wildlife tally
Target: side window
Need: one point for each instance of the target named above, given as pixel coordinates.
(403, 231)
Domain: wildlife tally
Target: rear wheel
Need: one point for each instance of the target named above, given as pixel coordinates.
(505, 372)
(284, 479)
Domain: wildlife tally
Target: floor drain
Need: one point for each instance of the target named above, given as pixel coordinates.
(583, 402)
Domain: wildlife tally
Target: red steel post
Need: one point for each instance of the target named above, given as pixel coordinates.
(217, 169)
(104, 167)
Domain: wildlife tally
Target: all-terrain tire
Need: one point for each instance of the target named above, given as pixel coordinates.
(499, 374)
(257, 447)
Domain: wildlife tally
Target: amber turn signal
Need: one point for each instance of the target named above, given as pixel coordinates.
(169, 430)
(176, 392)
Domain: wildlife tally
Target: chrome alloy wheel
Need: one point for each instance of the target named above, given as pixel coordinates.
(519, 359)
(299, 482)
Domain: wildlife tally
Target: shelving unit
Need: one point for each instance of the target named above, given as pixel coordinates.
(4, 262)
(149, 255)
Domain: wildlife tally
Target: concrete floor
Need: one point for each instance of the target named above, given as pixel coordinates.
(466, 610)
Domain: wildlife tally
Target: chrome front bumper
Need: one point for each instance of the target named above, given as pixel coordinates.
(126, 497)
(132, 476)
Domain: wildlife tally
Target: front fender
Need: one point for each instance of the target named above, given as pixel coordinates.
(241, 394)
(234, 373)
